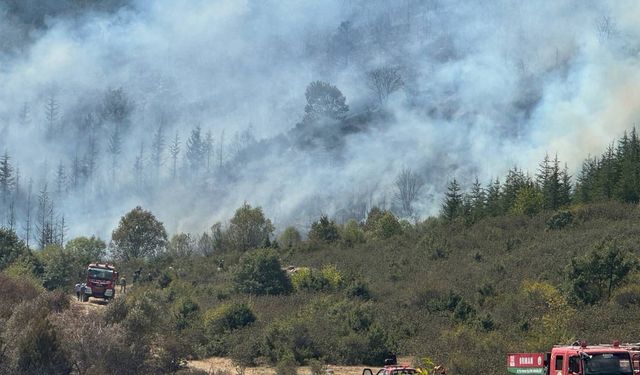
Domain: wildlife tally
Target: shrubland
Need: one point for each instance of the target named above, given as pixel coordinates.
(448, 290)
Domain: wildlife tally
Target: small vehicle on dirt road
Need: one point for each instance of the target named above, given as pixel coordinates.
(392, 370)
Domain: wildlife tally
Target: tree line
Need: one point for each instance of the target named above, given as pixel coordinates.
(615, 175)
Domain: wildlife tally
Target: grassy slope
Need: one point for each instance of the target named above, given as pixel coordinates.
(501, 252)
(410, 275)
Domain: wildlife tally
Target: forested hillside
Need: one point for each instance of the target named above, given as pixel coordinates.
(471, 283)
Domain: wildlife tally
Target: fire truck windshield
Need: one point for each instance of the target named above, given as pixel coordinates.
(100, 274)
(608, 364)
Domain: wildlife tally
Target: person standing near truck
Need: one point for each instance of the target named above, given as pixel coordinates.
(123, 284)
(77, 290)
(83, 289)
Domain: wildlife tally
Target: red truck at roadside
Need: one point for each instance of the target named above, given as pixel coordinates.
(101, 281)
(576, 359)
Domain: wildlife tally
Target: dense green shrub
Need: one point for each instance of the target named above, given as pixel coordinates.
(387, 226)
(11, 247)
(228, 317)
(560, 220)
(38, 351)
(245, 346)
(324, 230)
(186, 313)
(287, 366)
(359, 289)
(596, 275)
(259, 272)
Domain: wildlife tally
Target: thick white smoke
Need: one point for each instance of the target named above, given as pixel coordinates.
(487, 86)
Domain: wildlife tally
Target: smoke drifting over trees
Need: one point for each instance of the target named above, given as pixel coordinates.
(190, 109)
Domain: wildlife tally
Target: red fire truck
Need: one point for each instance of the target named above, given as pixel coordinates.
(576, 359)
(101, 281)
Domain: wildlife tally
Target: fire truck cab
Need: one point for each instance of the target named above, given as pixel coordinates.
(576, 359)
(101, 281)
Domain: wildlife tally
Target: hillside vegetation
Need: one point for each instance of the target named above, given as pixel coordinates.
(448, 291)
(518, 266)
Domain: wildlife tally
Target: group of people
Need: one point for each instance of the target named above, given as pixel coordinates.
(80, 290)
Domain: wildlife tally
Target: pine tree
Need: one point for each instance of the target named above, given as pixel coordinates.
(7, 178)
(565, 192)
(114, 147)
(61, 230)
(51, 112)
(174, 150)
(91, 157)
(478, 200)
(494, 198)
(452, 207)
(61, 180)
(626, 167)
(551, 192)
(157, 149)
(25, 115)
(607, 177)
(586, 181)
(44, 221)
(11, 221)
(208, 150)
(28, 226)
(515, 181)
(17, 187)
(221, 150)
(76, 173)
(138, 167)
(195, 150)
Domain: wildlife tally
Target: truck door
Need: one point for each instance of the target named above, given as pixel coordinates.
(557, 365)
(574, 365)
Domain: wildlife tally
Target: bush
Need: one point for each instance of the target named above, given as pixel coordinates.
(259, 272)
(290, 238)
(332, 276)
(245, 347)
(372, 219)
(11, 247)
(317, 367)
(116, 311)
(287, 366)
(560, 220)
(228, 317)
(302, 278)
(597, 274)
(359, 289)
(12, 292)
(352, 234)
(38, 351)
(324, 230)
(59, 271)
(327, 279)
(628, 296)
(186, 313)
(387, 226)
